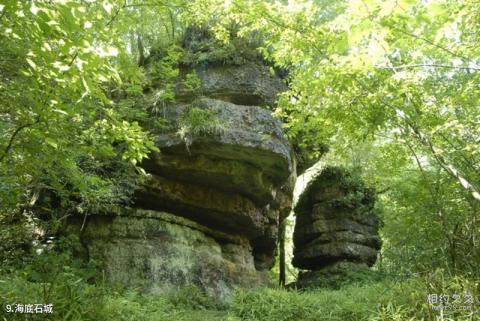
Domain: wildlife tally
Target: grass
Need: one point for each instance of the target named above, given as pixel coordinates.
(75, 299)
(78, 294)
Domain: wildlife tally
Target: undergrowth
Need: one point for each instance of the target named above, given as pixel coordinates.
(75, 299)
(77, 293)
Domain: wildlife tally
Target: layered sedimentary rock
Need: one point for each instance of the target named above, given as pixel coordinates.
(230, 180)
(209, 213)
(159, 251)
(252, 83)
(336, 222)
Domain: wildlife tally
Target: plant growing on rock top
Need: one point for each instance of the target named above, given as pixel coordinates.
(163, 73)
(192, 84)
(197, 122)
(224, 46)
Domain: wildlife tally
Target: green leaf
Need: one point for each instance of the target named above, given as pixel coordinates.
(31, 63)
(51, 142)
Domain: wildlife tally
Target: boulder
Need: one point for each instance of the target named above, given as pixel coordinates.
(208, 213)
(336, 275)
(233, 179)
(248, 154)
(336, 221)
(159, 251)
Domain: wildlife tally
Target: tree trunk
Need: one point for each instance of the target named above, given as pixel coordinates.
(141, 51)
(281, 246)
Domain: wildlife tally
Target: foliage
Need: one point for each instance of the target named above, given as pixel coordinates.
(196, 122)
(151, 27)
(441, 235)
(164, 73)
(60, 131)
(391, 87)
(191, 297)
(203, 47)
(192, 84)
(66, 283)
(386, 300)
(51, 275)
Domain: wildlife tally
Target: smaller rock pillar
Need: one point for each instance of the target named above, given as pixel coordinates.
(336, 228)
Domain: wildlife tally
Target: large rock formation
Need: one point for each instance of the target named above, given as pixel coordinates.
(336, 226)
(252, 83)
(209, 213)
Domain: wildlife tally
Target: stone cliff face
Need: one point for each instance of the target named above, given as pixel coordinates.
(336, 227)
(208, 215)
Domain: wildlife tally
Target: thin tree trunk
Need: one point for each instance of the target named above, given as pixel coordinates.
(141, 50)
(12, 138)
(281, 246)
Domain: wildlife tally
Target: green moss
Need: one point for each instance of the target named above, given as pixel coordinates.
(351, 192)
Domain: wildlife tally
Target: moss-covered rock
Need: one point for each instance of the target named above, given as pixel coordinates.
(252, 84)
(209, 212)
(159, 251)
(250, 150)
(337, 275)
(336, 221)
(202, 47)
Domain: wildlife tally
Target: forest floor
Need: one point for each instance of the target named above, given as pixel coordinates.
(414, 298)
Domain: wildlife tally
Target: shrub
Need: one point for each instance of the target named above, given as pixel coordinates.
(66, 285)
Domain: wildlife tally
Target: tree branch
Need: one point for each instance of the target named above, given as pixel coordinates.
(12, 138)
(115, 15)
(430, 42)
(73, 59)
(426, 142)
(3, 13)
(427, 65)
